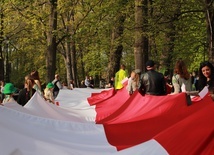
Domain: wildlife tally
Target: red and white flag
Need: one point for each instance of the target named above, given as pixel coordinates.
(117, 125)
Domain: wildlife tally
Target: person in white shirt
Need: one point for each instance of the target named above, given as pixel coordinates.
(133, 83)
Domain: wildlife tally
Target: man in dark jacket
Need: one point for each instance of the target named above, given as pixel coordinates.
(152, 82)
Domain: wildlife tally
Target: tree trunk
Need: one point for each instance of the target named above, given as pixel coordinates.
(1, 45)
(82, 66)
(116, 44)
(166, 57)
(73, 51)
(209, 10)
(68, 62)
(74, 63)
(141, 41)
(68, 50)
(51, 41)
(114, 61)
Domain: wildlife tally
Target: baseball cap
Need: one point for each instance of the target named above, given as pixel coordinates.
(150, 63)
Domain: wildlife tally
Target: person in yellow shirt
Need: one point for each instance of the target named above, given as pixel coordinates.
(119, 76)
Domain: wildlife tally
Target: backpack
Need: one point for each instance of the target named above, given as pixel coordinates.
(56, 88)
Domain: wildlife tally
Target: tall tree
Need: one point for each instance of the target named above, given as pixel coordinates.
(1, 41)
(51, 41)
(209, 11)
(97, 28)
(141, 40)
(116, 41)
(66, 18)
(168, 24)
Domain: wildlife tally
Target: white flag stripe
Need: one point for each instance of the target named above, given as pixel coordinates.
(36, 135)
(43, 128)
(151, 147)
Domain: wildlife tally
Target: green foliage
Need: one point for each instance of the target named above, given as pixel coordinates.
(178, 26)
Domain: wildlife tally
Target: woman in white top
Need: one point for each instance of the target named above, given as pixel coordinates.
(72, 84)
(181, 79)
(37, 84)
(133, 82)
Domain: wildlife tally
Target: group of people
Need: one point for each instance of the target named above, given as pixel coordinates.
(32, 84)
(88, 82)
(153, 82)
(183, 81)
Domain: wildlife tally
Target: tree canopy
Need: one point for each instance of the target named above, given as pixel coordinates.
(93, 37)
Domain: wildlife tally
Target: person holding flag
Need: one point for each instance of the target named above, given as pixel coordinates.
(120, 76)
(206, 77)
(152, 82)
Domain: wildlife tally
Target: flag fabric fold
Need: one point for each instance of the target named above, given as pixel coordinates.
(192, 135)
(108, 122)
(110, 105)
(33, 135)
(140, 118)
(99, 97)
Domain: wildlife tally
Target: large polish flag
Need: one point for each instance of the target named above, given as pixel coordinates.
(77, 127)
(141, 118)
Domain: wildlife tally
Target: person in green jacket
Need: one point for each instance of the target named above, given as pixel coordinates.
(119, 76)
